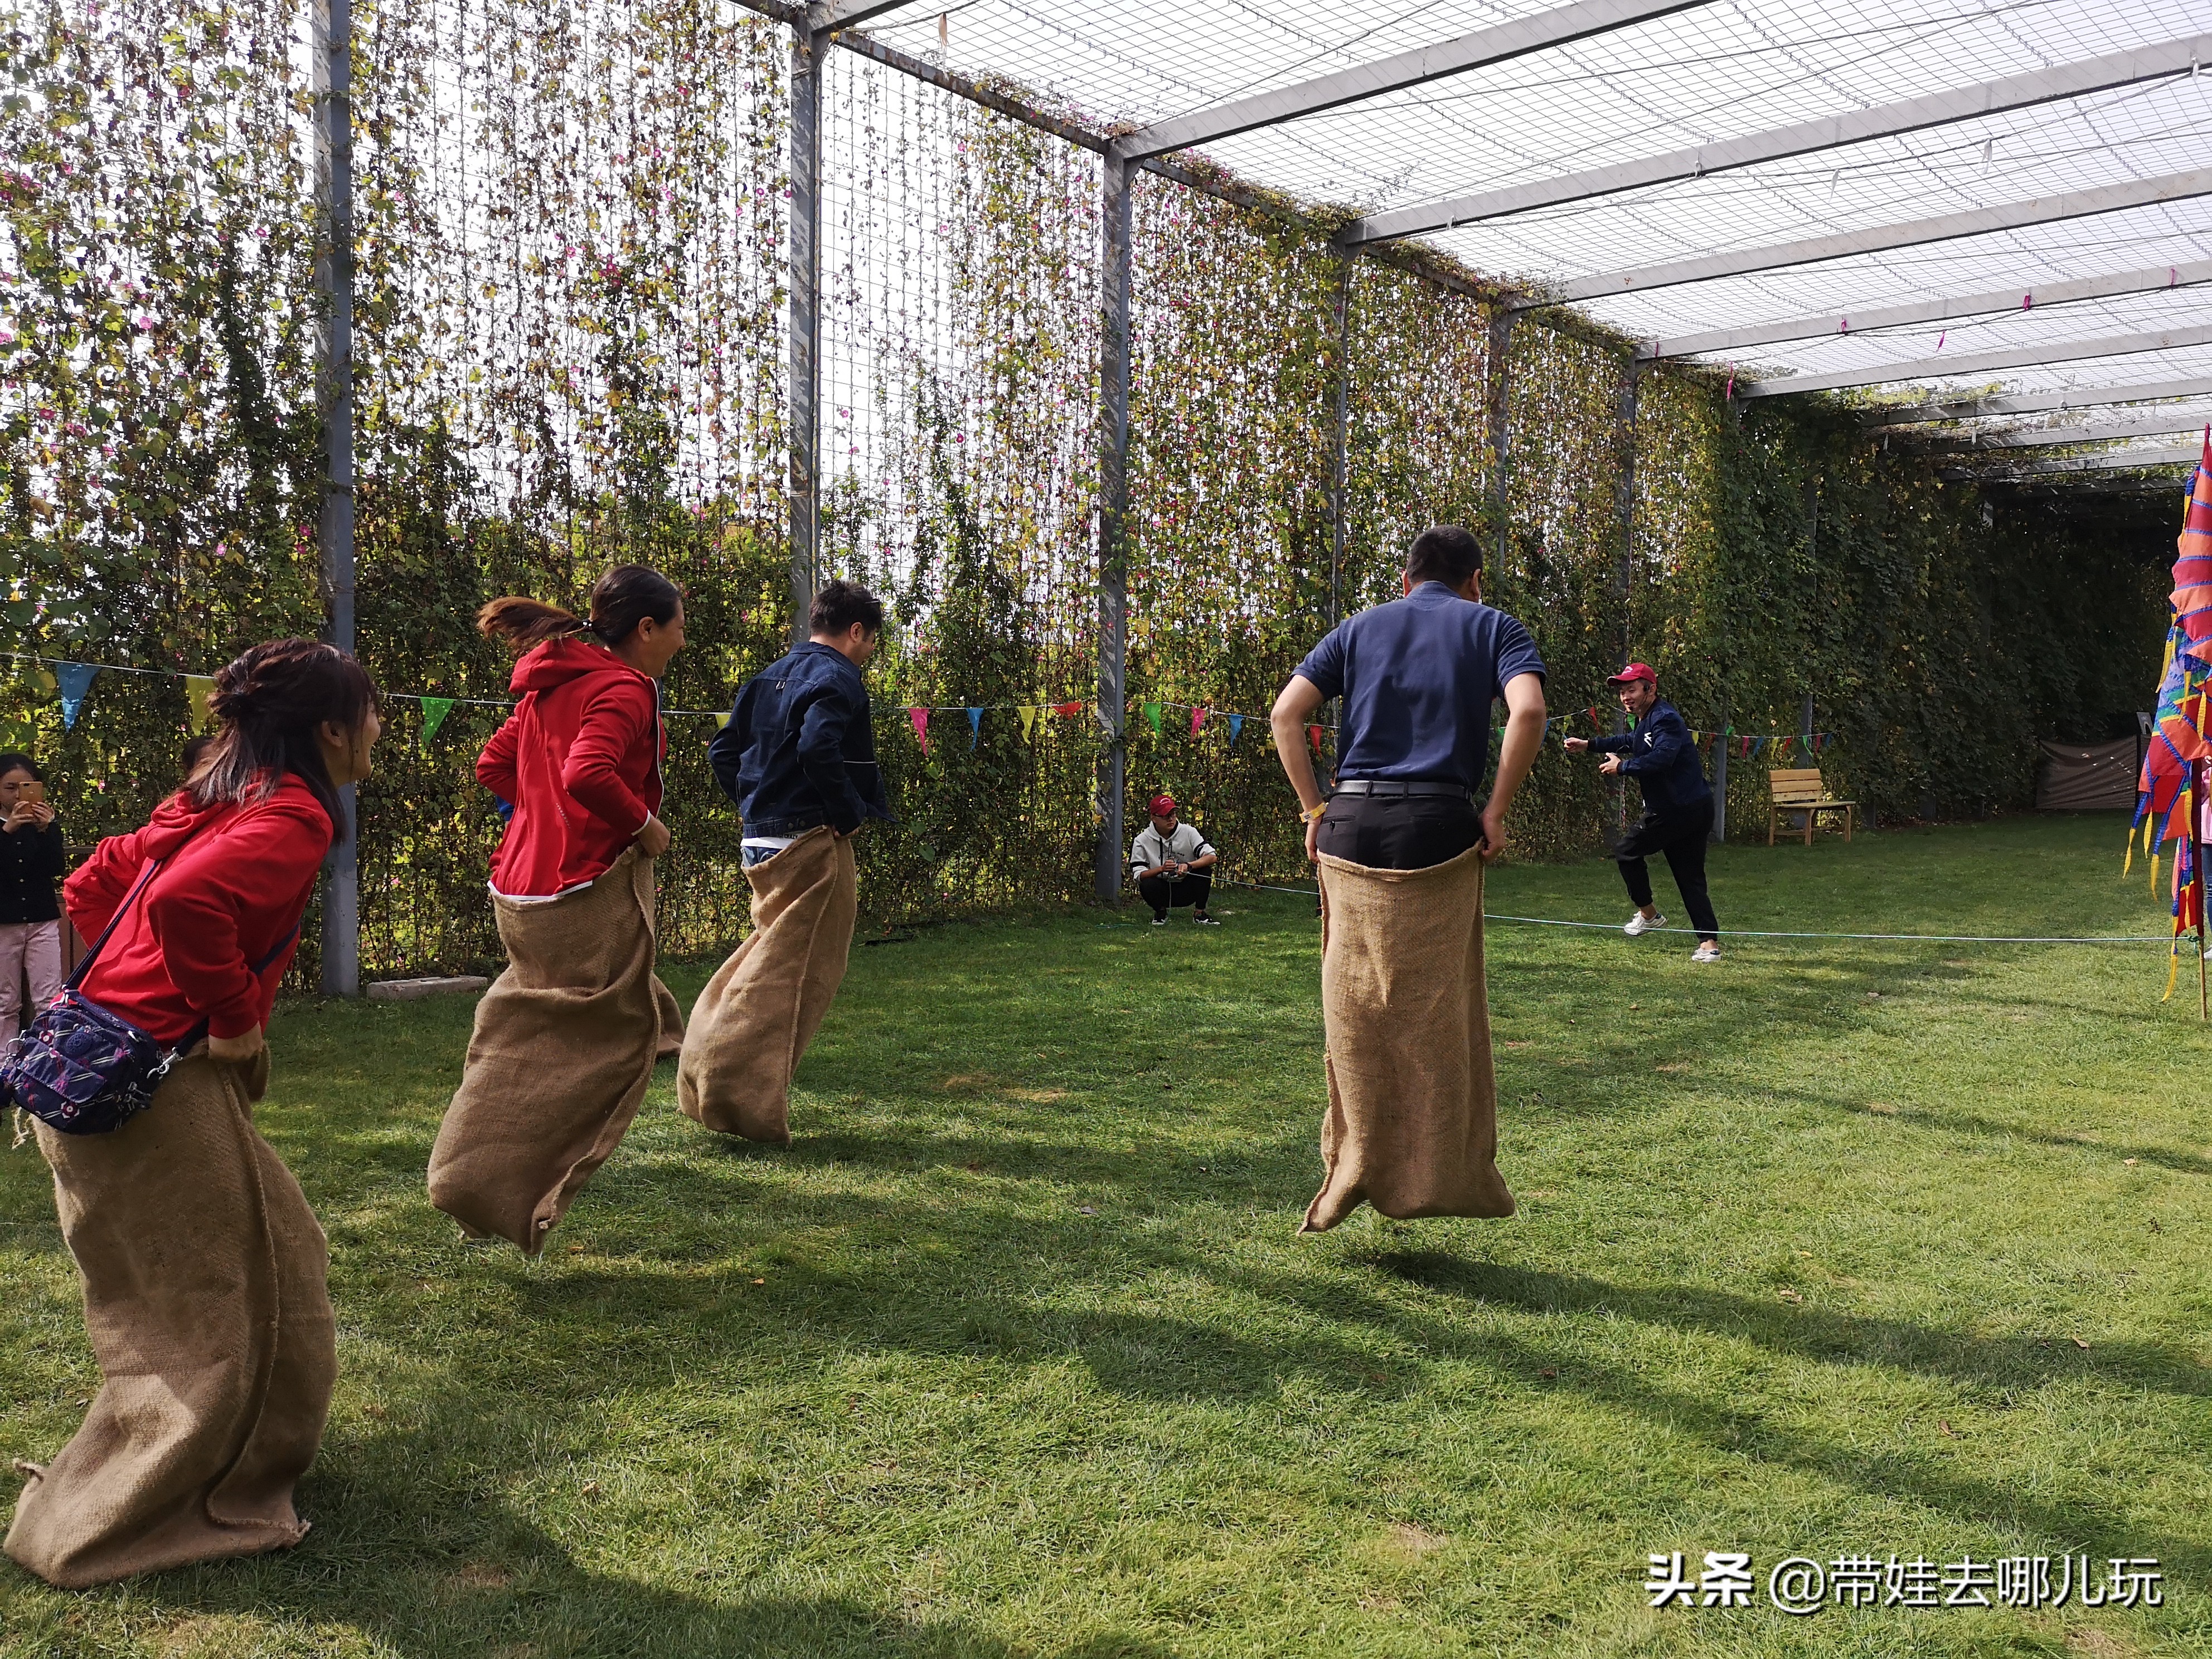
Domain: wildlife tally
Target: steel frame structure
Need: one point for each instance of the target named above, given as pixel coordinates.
(818, 25)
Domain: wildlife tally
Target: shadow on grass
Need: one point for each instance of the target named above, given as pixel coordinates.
(469, 1576)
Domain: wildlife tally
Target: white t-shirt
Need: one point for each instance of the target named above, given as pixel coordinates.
(1152, 848)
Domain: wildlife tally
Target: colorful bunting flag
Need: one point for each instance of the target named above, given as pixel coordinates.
(1152, 715)
(198, 687)
(435, 710)
(1313, 736)
(1030, 713)
(1235, 726)
(920, 717)
(974, 725)
(75, 681)
(722, 720)
(1068, 711)
(1197, 720)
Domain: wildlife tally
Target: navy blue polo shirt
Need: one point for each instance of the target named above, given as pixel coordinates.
(1418, 677)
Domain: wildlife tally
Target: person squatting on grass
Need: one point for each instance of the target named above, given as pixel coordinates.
(798, 756)
(1412, 1125)
(1171, 864)
(32, 860)
(566, 1038)
(1678, 806)
(204, 1271)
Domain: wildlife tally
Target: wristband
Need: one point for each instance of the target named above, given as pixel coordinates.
(1310, 814)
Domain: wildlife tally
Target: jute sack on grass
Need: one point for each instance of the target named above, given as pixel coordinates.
(754, 1020)
(557, 1066)
(672, 1021)
(1412, 1103)
(206, 1300)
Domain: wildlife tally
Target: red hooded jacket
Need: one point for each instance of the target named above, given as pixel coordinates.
(237, 880)
(580, 760)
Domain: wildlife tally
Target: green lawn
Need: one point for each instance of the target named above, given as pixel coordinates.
(1015, 1352)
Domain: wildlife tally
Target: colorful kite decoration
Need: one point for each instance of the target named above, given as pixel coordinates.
(2171, 795)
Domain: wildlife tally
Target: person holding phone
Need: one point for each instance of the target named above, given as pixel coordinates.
(32, 860)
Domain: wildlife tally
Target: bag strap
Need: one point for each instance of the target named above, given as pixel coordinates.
(84, 965)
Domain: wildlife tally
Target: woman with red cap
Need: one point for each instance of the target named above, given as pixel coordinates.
(204, 1269)
(566, 1038)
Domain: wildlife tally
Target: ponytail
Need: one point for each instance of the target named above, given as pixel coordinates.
(625, 597)
(524, 623)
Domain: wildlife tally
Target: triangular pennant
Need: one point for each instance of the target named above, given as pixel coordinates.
(198, 687)
(1236, 727)
(435, 710)
(1068, 711)
(1152, 715)
(920, 717)
(75, 680)
(974, 725)
(721, 720)
(1313, 736)
(1197, 720)
(1029, 719)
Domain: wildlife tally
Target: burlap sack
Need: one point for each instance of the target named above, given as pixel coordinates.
(763, 1005)
(672, 1021)
(205, 1299)
(1412, 1103)
(557, 1066)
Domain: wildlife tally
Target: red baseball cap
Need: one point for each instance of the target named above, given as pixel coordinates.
(1635, 670)
(1162, 806)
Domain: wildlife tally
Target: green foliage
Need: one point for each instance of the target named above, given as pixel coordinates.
(568, 353)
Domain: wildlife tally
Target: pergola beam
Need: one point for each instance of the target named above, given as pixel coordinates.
(1875, 239)
(2036, 403)
(824, 15)
(2173, 455)
(1517, 38)
(2012, 92)
(2156, 426)
(1862, 321)
(1982, 363)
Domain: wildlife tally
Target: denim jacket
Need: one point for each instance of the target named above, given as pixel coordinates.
(1659, 755)
(799, 750)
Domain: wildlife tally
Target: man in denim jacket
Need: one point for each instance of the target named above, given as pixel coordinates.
(799, 748)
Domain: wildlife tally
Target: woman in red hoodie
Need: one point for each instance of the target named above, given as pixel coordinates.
(566, 1038)
(204, 1269)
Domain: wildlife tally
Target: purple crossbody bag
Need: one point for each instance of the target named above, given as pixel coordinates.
(81, 1070)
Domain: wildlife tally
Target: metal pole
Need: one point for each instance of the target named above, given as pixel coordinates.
(331, 49)
(1336, 470)
(804, 320)
(1113, 512)
(1720, 779)
(1499, 368)
(1624, 576)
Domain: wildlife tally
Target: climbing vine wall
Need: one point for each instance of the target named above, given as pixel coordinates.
(573, 219)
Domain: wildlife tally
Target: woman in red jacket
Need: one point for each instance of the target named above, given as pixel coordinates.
(566, 1038)
(204, 1269)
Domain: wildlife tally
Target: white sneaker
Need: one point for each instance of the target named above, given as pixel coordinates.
(1707, 951)
(1639, 925)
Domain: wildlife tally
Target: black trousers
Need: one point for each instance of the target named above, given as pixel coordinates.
(1163, 892)
(1680, 836)
(1398, 832)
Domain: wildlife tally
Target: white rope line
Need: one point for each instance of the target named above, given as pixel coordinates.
(1756, 933)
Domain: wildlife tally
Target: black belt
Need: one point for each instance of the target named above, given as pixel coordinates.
(1387, 788)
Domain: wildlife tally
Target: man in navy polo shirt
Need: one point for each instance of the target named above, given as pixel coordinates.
(1678, 806)
(1419, 677)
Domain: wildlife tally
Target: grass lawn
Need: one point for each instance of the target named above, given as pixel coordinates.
(1835, 1248)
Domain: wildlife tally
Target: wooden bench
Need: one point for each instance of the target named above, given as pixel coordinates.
(1799, 789)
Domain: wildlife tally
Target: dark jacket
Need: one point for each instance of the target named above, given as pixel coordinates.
(1660, 756)
(31, 862)
(799, 750)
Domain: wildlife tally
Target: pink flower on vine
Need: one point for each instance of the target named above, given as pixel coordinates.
(144, 325)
